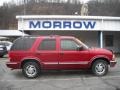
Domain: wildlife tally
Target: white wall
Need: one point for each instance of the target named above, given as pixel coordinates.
(76, 22)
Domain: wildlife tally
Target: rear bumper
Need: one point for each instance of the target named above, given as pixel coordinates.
(13, 65)
(113, 63)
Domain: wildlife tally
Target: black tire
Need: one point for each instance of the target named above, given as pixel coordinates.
(35, 70)
(100, 67)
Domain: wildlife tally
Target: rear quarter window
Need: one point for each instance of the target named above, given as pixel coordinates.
(23, 43)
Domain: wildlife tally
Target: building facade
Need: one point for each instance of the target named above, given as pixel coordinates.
(95, 31)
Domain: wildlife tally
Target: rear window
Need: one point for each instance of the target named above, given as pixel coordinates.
(23, 43)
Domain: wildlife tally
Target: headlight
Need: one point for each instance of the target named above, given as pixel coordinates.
(113, 57)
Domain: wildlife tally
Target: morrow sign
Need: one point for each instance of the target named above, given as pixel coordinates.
(70, 22)
(61, 24)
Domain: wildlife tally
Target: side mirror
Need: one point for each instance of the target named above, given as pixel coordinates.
(79, 48)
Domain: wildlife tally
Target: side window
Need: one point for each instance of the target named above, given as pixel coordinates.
(48, 44)
(23, 43)
(67, 44)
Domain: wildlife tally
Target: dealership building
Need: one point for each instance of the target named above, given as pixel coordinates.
(95, 31)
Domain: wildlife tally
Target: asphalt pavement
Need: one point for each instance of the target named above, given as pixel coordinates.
(59, 80)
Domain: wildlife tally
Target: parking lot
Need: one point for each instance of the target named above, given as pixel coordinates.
(59, 80)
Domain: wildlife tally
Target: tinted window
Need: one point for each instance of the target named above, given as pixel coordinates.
(48, 44)
(68, 45)
(23, 43)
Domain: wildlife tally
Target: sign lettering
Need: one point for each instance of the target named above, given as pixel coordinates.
(49, 24)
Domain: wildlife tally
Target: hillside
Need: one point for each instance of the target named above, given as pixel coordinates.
(9, 12)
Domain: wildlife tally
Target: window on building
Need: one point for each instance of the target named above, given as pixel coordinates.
(109, 40)
(67, 44)
(48, 44)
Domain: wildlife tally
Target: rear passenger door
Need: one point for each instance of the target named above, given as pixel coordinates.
(48, 54)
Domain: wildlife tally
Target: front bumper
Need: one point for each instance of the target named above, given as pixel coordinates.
(113, 63)
(13, 65)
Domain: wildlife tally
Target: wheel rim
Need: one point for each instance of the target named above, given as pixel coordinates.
(31, 70)
(100, 68)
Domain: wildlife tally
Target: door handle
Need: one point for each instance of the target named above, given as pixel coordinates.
(61, 53)
(38, 53)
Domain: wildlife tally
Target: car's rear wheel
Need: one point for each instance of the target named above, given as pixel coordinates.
(100, 67)
(31, 69)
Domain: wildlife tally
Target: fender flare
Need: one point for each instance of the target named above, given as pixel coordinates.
(30, 58)
(98, 57)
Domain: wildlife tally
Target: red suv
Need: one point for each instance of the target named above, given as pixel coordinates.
(33, 54)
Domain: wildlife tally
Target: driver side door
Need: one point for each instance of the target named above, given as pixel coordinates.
(70, 56)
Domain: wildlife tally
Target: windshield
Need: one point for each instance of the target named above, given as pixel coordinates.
(81, 43)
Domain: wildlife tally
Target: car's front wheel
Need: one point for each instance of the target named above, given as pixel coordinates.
(31, 69)
(100, 67)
